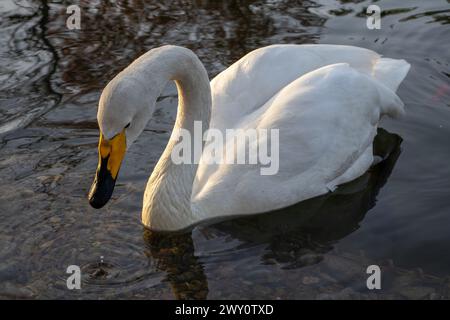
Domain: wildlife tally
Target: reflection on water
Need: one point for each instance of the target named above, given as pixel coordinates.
(50, 82)
(28, 62)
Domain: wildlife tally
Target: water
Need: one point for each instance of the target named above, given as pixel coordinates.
(397, 215)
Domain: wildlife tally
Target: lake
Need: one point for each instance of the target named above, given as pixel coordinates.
(396, 216)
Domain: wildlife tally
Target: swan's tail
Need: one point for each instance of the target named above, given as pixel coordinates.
(390, 73)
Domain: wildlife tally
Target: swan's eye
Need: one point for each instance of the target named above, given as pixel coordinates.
(127, 125)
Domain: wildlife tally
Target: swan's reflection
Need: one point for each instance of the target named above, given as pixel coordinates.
(294, 237)
(174, 254)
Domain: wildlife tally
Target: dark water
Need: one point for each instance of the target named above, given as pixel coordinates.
(397, 215)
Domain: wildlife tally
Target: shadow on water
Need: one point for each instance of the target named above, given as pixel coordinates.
(294, 237)
(175, 255)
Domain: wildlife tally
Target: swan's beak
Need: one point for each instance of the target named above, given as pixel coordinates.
(110, 155)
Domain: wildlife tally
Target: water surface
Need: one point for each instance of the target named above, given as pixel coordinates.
(397, 215)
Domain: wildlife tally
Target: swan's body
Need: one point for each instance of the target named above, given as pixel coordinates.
(326, 101)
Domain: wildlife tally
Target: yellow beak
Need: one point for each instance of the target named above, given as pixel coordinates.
(110, 156)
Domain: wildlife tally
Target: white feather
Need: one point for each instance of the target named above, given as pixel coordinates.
(326, 101)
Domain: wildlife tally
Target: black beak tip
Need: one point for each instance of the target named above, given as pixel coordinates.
(101, 190)
(97, 202)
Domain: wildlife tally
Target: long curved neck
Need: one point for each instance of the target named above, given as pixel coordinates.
(168, 193)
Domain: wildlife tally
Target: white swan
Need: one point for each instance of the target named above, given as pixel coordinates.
(326, 101)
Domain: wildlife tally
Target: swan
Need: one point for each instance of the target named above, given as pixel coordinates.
(325, 100)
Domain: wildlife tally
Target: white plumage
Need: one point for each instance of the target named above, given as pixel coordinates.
(326, 101)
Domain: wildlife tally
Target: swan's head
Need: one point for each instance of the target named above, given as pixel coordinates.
(124, 109)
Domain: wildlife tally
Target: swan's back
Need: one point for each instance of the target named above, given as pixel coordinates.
(255, 78)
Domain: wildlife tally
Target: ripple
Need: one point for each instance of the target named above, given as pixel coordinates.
(101, 273)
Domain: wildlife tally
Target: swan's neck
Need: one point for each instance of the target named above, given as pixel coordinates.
(167, 199)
